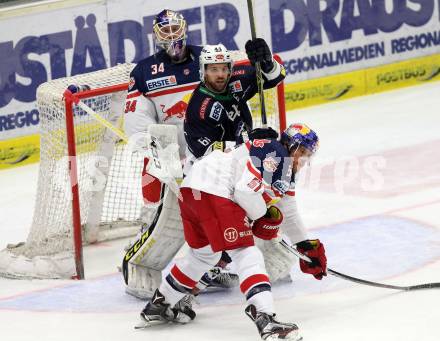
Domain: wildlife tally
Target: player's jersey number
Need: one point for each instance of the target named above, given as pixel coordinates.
(155, 69)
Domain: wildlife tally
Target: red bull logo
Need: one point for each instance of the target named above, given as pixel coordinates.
(176, 110)
(299, 128)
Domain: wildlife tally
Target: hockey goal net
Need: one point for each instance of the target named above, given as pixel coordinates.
(89, 186)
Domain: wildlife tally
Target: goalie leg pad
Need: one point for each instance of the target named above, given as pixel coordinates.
(142, 281)
(277, 259)
(154, 247)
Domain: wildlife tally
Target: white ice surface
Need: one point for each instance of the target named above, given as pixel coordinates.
(391, 235)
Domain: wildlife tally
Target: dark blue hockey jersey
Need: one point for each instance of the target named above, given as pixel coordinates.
(214, 117)
(159, 91)
(157, 72)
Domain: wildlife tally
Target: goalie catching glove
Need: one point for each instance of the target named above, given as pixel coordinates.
(268, 225)
(313, 249)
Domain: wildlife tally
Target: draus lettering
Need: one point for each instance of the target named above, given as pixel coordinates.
(222, 22)
(19, 120)
(311, 18)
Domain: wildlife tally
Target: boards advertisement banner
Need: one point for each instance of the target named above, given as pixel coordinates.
(315, 38)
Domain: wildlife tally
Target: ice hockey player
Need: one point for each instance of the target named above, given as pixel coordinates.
(227, 200)
(156, 95)
(218, 109)
(218, 117)
(152, 97)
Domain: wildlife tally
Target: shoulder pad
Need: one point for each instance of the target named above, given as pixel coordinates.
(272, 162)
(136, 80)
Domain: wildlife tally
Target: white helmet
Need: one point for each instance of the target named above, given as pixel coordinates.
(214, 54)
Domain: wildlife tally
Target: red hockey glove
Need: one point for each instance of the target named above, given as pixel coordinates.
(313, 249)
(267, 226)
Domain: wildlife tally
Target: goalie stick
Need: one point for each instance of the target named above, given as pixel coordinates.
(294, 251)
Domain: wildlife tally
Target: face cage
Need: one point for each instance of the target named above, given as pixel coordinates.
(172, 42)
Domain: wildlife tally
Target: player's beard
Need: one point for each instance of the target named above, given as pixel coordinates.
(219, 84)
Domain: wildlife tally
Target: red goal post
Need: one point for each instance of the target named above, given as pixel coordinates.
(70, 209)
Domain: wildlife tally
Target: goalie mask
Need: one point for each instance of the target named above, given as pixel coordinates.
(169, 29)
(214, 54)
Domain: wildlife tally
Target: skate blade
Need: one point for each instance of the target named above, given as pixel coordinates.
(144, 324)
(288, 337)
(294, 337)
(213, 289)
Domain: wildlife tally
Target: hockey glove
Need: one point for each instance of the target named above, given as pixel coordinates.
(257, 134)
(258, 51)
(267, 226)
(313, 249)
(262, 133)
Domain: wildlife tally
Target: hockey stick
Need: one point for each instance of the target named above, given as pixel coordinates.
(257, 66)
(294, 251)
(118, 132)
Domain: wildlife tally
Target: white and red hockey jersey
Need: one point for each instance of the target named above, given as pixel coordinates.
(255, 175)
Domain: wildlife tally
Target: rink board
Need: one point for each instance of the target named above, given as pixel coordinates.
(362, 82)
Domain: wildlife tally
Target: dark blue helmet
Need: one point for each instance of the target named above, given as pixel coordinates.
(298, 134)
(169, 29)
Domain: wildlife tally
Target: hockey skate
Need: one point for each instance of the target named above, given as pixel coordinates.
(271, 329)
(218, 279)
(158, 312)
